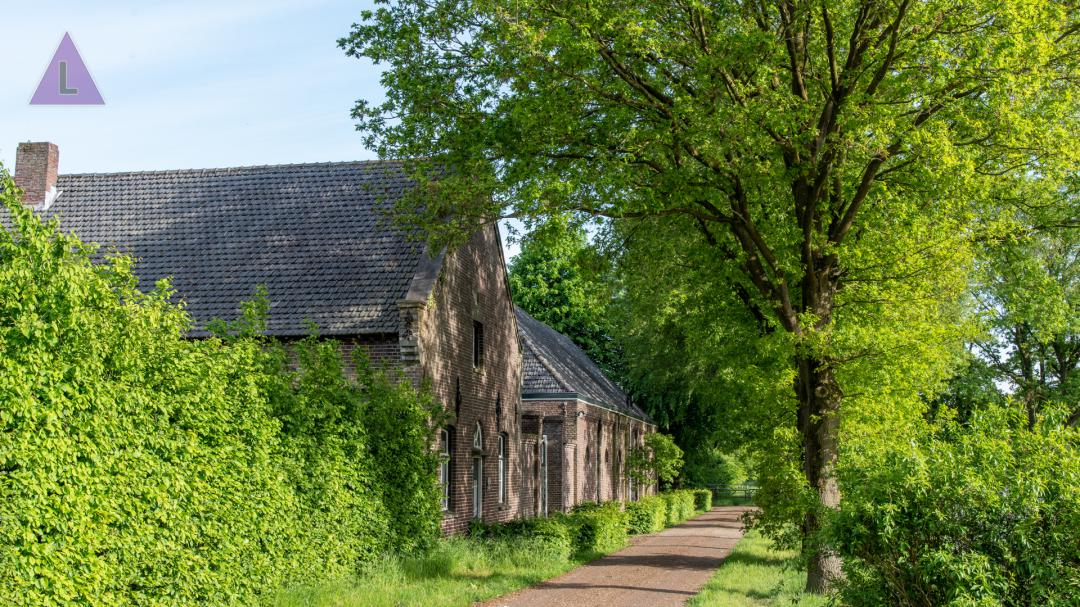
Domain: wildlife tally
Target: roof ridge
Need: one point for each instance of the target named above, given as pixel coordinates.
(570, 342)
(246, 167)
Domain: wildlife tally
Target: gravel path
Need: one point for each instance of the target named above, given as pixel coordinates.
(665, 568)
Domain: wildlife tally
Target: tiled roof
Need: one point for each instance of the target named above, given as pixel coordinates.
(554, 364)
(315, 234)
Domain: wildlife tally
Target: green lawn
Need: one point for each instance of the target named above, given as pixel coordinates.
(755, 575)
(458, 572)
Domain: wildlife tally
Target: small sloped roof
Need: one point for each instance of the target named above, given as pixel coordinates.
(316, 235)
(554, 365)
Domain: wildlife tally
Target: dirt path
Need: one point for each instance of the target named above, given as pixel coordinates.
(665, 568)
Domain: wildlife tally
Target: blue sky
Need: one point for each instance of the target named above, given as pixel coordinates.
(189, 84)
(193, 84)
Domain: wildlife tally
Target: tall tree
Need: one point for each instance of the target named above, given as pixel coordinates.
(818, 149)
(1030, 298)
(561, 281)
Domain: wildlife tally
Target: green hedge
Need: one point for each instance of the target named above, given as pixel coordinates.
(600, 529)
(590, 529)
(680, 506)
(702, 499)
(647, 515)
(138, 467)
(554, 533)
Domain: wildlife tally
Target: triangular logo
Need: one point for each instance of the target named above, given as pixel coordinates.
(66, 80)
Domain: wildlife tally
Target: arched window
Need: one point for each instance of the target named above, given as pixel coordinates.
(478, 438)
(502, 468)
(446, 439)
(478, 472)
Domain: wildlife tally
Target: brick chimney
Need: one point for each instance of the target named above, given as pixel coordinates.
(36, 167)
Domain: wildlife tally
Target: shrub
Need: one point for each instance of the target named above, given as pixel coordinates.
(140, 467)
(680, 506)
(702, 499)
(555, 533)
(599, 530)
(647, 515)
(987, 514)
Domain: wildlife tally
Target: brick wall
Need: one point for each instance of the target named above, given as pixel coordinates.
(592, 444)
(471, 287)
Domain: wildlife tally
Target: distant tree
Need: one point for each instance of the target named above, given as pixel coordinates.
(559, 280)
(658, 460)
(1029, 296)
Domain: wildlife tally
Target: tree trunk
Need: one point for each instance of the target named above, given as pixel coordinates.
(819, 399)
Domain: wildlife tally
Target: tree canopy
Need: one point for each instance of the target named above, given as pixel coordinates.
(559, 280)
(829, 168)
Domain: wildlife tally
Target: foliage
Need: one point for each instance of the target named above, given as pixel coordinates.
(398, 422)
(973, 387)
(647, 515)
(712, 467)
(590, 529)
(986, 513)
(140, 467)
(1028, 296)
(558, 279)
(680, 506)
(702, 499)
(553, 532)
(137, 465)
(824, 168)
(369, 434)
(658, 460)
(600, 529)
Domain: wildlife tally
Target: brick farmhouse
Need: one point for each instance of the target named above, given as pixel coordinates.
(535, 426)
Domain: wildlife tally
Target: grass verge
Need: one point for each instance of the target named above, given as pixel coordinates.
(755, 575)
(458, 572)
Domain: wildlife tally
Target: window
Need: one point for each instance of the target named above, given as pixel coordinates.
(599, 459)
(445, 451)
(543, 509)
(502, 468)
(478, 472)
(478, 438)
(477, 344)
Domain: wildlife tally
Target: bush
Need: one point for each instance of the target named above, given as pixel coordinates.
(555, 533)
(680, 506)
(987, 514)
(702, 499)
(601, 529)
(647, 515)
(141, 467)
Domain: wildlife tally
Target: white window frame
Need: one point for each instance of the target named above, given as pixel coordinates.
(477, 472)
(444, 467)
(502, 468)
(542, 449)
